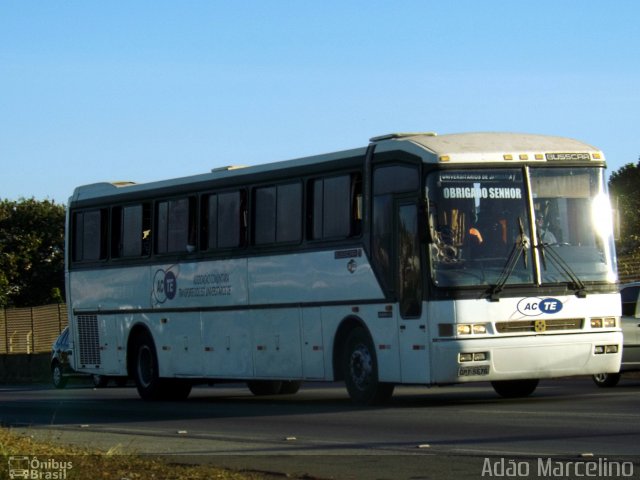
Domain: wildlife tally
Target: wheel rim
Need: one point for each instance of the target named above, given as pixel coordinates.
(57, 375)
(145, 366)
(601, 377)
(361, 367)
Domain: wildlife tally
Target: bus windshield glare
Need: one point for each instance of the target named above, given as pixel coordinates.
(483, 230)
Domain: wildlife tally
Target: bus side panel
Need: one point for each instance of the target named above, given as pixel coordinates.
(199, 284)
(329, 276)
(179, 343)
(383, 327)
(313, 351)
(276, 337)
(228, 344)
(99, 340)
(112, 350)
(110, 288)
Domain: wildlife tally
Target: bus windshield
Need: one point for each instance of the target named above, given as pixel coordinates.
(573, 224)
(482, 231)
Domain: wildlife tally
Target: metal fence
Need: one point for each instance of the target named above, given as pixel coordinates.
(628, 268)
(31, 330)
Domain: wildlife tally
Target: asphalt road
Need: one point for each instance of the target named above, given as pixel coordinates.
(448, 432)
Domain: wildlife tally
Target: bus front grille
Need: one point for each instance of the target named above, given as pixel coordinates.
(89, 348)
(536, 325)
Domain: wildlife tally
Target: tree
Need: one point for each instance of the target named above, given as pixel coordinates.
(624, 188)
(31, 253)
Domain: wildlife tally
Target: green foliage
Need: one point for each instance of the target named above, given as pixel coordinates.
(31, 253)
(624, 189)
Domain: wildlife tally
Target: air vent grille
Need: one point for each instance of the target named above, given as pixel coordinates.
(89, 348)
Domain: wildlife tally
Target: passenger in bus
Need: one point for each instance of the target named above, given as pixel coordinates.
(488, 236)
(545, 235)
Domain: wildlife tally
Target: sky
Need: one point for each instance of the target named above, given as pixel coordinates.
(148, 90)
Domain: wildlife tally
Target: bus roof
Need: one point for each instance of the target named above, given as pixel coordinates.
(432, 148)
(493, 147)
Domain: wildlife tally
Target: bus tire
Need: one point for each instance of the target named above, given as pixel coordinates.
(606, 380)
(290, 387)
(145, 369)
(515, 388)
(360, 368)
(175, 389)
(264, 387)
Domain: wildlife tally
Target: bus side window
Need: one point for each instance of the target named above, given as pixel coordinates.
(90, 230)
(264, 211)
(336, 207)
(175, 225)
(277, 214)
(224, 224)
(131, 231)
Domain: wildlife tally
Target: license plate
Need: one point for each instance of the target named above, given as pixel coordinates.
(473, 371)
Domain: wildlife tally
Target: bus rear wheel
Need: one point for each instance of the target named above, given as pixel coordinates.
(515, 388)
(146, 374)
(264, 387)
(290, 387)
(360, 368)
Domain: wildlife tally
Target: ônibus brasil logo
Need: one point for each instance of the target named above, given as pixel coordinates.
(534, 306)
(165, 285)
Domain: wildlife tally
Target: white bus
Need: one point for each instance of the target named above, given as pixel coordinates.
(417, 259)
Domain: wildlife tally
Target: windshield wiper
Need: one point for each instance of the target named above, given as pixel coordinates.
(521, 244)
(576, 284)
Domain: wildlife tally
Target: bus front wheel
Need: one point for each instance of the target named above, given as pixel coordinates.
(606, 380)
(360, 367)
(515, 388)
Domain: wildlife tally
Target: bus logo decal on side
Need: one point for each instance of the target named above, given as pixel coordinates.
(165, 286)
(534, 306)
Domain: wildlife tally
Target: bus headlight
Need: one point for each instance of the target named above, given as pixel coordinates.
(603, 349)
(473, 357)
(463, 329)
(465, 357)
(479, 328)
(471, 329)
(603, 322)
(480, 356)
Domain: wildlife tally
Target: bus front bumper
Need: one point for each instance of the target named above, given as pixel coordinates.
(526, 357)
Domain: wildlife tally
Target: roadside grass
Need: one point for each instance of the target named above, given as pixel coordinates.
(93, 464)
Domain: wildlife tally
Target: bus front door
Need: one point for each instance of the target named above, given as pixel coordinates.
(413, 335)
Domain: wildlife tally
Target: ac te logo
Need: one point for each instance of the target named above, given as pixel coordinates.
(165, 285)
(534, 306)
